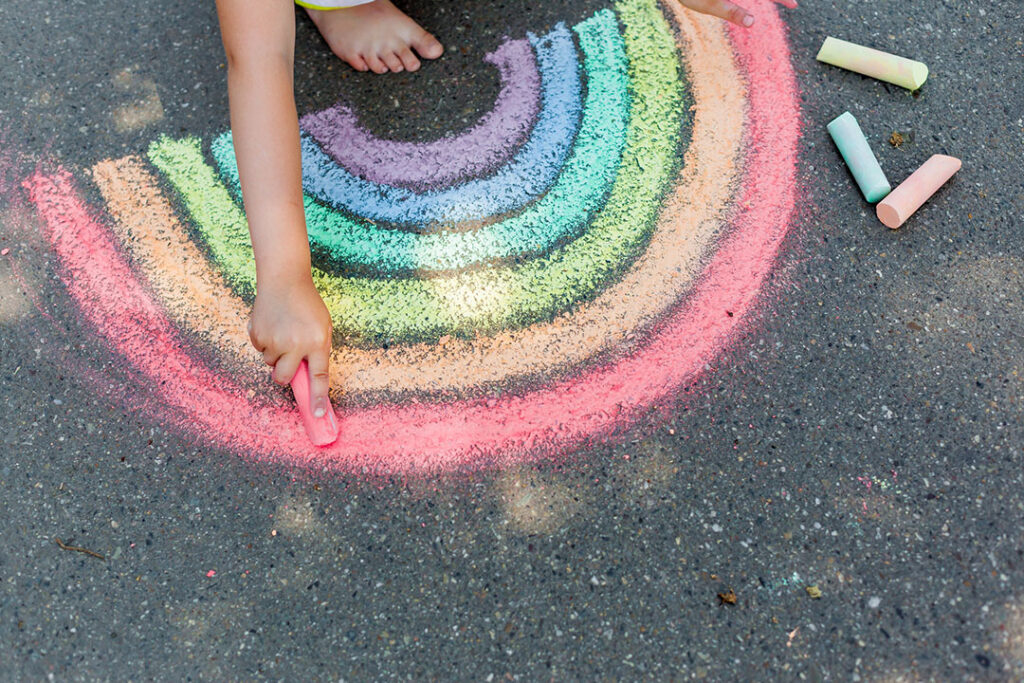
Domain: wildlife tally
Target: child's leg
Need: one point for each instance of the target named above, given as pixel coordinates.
(375, 35)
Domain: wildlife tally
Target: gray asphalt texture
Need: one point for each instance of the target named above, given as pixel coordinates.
(864, 437)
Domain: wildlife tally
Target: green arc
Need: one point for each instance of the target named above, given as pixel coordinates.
(356, 245)
(369, 311)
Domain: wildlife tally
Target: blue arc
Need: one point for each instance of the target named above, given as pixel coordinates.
(562, 213)
(527, 175)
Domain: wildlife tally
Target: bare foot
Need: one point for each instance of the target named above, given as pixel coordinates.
(376, 36)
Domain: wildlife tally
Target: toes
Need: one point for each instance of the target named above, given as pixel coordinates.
(409, 60)
(376, 66)
(428, 46)
(393, 62)
(357, 63)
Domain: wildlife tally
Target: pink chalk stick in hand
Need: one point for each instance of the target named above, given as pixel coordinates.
(322, 431)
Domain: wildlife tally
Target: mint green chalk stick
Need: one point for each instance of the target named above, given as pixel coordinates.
(859, 157)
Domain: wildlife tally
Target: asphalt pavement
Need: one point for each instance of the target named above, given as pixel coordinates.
(836, 496)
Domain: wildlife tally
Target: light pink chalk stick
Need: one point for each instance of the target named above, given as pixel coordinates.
(322, 431)
(902, 202)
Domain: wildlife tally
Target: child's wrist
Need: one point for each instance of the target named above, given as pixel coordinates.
(283, 277)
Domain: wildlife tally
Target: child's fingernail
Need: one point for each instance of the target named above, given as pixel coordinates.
(320, 409)
(748, 20)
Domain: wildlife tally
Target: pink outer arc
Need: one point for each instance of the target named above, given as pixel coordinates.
(420, 438)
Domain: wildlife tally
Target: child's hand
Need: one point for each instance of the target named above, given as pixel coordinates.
(290, 322)
(728, 11)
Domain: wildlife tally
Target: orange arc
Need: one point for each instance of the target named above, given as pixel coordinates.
(175, 269)
(693, 214)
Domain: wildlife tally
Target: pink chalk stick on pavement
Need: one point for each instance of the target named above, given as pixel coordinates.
(322, 431)
(902, 202)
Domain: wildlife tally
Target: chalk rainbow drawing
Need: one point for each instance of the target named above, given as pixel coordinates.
(503, 294)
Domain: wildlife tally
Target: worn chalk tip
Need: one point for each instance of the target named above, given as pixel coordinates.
(918, 75)
(321, 430)
(889, 216)
(846, 118)
(877, 193)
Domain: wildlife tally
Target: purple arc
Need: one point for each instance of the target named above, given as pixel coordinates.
(453, 158)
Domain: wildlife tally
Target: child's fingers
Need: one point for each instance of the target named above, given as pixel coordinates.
(728, 10)
(252, 338)
(270, 357)
(319, 381)
(724, 10)
(285, 367)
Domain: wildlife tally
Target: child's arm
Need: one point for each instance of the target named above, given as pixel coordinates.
(289, 320)
(727, 10)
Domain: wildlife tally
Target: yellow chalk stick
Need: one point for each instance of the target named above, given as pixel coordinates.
(881, 65)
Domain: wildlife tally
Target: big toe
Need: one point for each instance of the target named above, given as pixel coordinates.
(428, 46)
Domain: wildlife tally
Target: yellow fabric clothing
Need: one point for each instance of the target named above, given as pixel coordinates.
(331, 4)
